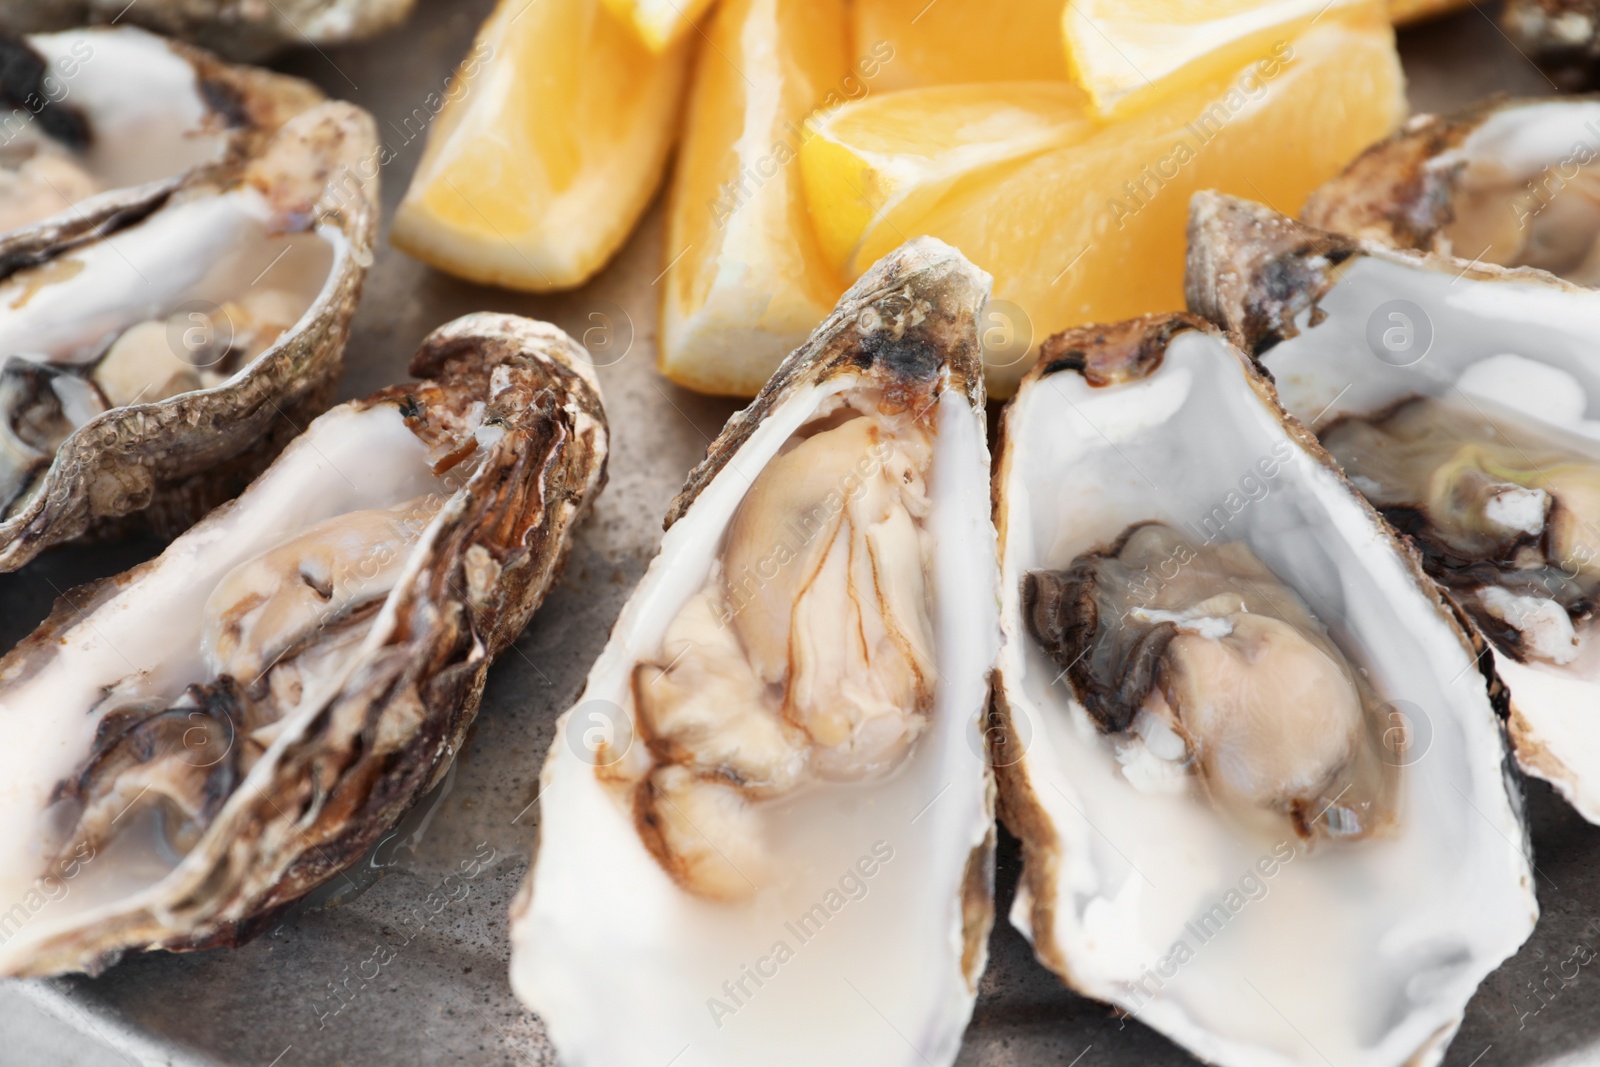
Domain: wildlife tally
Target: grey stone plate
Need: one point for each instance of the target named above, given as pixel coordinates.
(370, 974)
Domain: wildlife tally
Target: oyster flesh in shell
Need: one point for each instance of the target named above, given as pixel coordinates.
(207, 737)
(161, 365)
(1562, 36)
(1461, 399)
(1256, 771)
(238, 29)
(774, 785)
(100, 125)
(1516, 183)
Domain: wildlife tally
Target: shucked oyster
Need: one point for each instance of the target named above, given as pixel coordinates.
(212, 734)
(1219, 670)
(1515, 183)
(160, 360)
(777, 762)
(100, 125)
(1563, 36)
(1256, 772)
(238, 29)
(1461, 400)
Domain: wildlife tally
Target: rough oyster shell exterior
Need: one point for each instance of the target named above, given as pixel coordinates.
(390, 733)
(160, 466)
(239, 29)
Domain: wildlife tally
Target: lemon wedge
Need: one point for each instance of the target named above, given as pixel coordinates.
(745, 278)
(894, 156)
(1127, 54)
(946, 42)
(659, 23)
(535, 173)
(1092, 229)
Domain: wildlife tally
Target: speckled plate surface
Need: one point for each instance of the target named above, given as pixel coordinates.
(392, 966)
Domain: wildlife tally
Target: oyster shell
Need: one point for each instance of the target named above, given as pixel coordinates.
(238, 29)
(1516, 183)
(192, 339)
(778, 762)
(210, 735)
(103, 124)
(1253, 855)
(1460, 398)
(1563, 36)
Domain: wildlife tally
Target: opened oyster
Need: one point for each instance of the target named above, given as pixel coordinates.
(161, 364)
(777, 763)
(1515, 183)
(238, 29)
(103, 124)
(212, 734)
(1461, 400)
(1563, 36)
(1255, 768)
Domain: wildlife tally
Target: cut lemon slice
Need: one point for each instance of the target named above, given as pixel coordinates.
(659, 23)
(745, 279)
(538, 168)
(1408, 11)
(1093, 231)
(947, 42)
(1126, 54)
(895, 155)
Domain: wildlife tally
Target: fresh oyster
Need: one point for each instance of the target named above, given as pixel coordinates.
(162, 364)
(101, 125)
(1461, 399)
(208, 736)
(777, 764)
(1257, 774)
(1563, 36)
(1515, 183)
(238, 29)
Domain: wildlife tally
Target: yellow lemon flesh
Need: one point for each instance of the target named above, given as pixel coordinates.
(537, 171)
(1093, 230)
(659, 23)
(745, 279)
(949, 41)
(1127, 54)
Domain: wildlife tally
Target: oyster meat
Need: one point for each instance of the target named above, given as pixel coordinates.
(775, 780)
(98, 126)
(161, 361)
(1516, 183)
(1247, 747)
(207, 737)
(238, 29)
(1563, 36)
(1461, 399)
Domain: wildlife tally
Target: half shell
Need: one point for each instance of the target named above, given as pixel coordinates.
(205, 738)
(155, 362)
(766, 830)
(1515, 183)
(1245, 935)
(1351, 330)
(238, 29)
